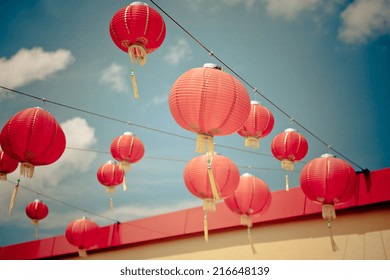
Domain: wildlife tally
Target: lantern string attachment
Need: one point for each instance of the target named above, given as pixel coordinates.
(13, 197)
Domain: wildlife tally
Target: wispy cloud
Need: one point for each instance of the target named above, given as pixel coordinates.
(365, 19)
(289, 9)
(216, 6)
(29, 65)
(114, 76)
(179, 51)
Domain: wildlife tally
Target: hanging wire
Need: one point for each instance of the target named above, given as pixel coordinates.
(211, 53)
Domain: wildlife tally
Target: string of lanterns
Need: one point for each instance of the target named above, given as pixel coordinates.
(206, 101)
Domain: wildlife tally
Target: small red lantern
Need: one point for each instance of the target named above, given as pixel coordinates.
(329, 181)
(37, 211)
(210, 178)
(138, 30)
(127, 149)
(251, 197)
(7, 165)
(110, 175)
(82, 233)
(289, 147)
(259, 124)
(33, 137)
(209, 102)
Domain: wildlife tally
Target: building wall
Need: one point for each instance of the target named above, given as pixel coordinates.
(360, 234)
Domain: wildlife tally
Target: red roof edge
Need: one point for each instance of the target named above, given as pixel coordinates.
(372, 189)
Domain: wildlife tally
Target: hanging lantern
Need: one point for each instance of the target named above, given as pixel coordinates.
(209, 102)
(329, 181)
(138, 30)
(7, 165)
(127, 149)
(259, 124)
(37, 211)
(110, 176)
(33, 137)
(210, 178)
(289, 147)
(251, 197)
(82, 233)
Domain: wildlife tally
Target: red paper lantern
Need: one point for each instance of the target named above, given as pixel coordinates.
(36, 211)
(110, 176)
(127, 149)
(289, 147)
(209, 102)
(82, 233)
(251, 197)
(7, 165)
(210, 178)
(138, 30)
(329, 181)
(33, 137)
(259, 124)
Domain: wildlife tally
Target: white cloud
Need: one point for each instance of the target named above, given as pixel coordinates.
(289, 9)
(365, 19)
(114, 76)
(78, 135)
(27, 66)
(160, 99)
(176, 53)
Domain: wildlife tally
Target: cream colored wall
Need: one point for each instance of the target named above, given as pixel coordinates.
(359, 235)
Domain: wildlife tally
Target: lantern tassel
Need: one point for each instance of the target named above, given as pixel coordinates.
(329, 213)
(287, 165)
(209, 205)
(124, 165)
(111, 204)
(3, 177)
(287, 185)
(134, 83)
(214, 188)
(15, 192)
(205, 227)
(137, 53)
(332, 241)
(203, 140)
(252, 142)
(124, 183)
(82, 253)
(26, 169)
(250, 239)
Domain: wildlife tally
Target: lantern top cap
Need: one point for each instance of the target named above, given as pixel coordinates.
(327, 156)
(247, 175)
(138, 3)
(255, 102)
(110, 162)
(128, 133)
(290, 130)
(212, 65)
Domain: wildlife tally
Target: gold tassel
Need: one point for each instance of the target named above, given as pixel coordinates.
(214, 188)
(137, 53)
(3, 177)
(124, 165)
(124, 183)
(111, 204)
(252, 142)
(203, 140)
(246, 220)
(250, 239)
(329, 213)
(82, 253)
(287, 186)
(209, 205)
(287, 165)
(332, 241)
(134, 83)
(12, 202)
(205, 227)
(26, 169)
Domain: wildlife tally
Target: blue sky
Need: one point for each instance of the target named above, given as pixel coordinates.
(325, 63)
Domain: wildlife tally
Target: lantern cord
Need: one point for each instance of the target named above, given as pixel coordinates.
(205, 227)
(254, 88)
(287, 185)
(111, 204)
(124, 183)
(15, 192)
(332, 241)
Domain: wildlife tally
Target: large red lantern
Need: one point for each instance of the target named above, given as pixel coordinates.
(289, 147)
(7, 165)
(210, 178)
(110, 176)
(36, 211)
(209, 102)
(138, 30)
(329, 181)
(259, 124)
(251, 197)
(82, 233)
(127, 149)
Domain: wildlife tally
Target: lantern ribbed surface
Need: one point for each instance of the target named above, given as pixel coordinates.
(197, 180)
(110, 175)
(82, 233)
(259, 124)
(328, 180)
(37, 210)
(33, 135)
(127, 148)
(251, 197)
(209, 101)
(137, 24)
(7, 165)
(289, 145)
